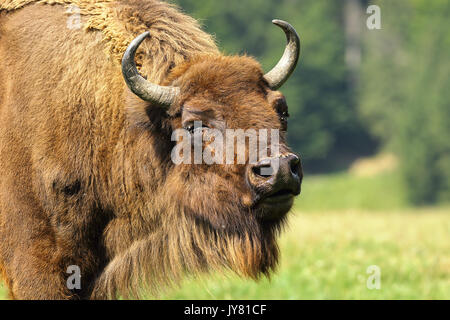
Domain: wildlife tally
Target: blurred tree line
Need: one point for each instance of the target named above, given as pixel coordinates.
(404, 92)
(356, 91)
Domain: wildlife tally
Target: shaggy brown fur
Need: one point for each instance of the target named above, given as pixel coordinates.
(86, 174)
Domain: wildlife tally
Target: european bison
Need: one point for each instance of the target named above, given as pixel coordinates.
(88, 183)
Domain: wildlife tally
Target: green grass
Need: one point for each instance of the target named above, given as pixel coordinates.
(325, 256)
(343, 191)
(3, 292)
(341, 225)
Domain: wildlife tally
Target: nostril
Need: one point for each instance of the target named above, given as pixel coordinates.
(263, 170)
(295, 165)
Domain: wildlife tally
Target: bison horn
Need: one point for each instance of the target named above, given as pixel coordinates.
(283, 70)
(147, 91)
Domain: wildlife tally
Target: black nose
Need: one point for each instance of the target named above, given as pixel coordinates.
(279, 176)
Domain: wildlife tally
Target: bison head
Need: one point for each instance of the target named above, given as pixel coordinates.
(217, 213)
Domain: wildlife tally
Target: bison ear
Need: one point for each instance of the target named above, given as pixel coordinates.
(142, 114)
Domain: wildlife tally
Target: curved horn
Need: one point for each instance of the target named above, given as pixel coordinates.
(160, 95)
(283, 70)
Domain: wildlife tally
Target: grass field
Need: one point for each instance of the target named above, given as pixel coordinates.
(325, 256)
(341, 225)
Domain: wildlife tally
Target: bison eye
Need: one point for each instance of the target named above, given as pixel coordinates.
(284, 117)
(192, 128)
(281, 109)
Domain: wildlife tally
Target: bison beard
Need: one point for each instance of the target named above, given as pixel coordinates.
(85, 167)
(162, 258)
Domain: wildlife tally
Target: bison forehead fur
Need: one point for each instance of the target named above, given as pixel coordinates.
(85, 167)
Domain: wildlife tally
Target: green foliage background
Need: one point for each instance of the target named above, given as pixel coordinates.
(405, 99)
(397, 99)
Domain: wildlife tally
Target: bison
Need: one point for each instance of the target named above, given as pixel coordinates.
(88, 107)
